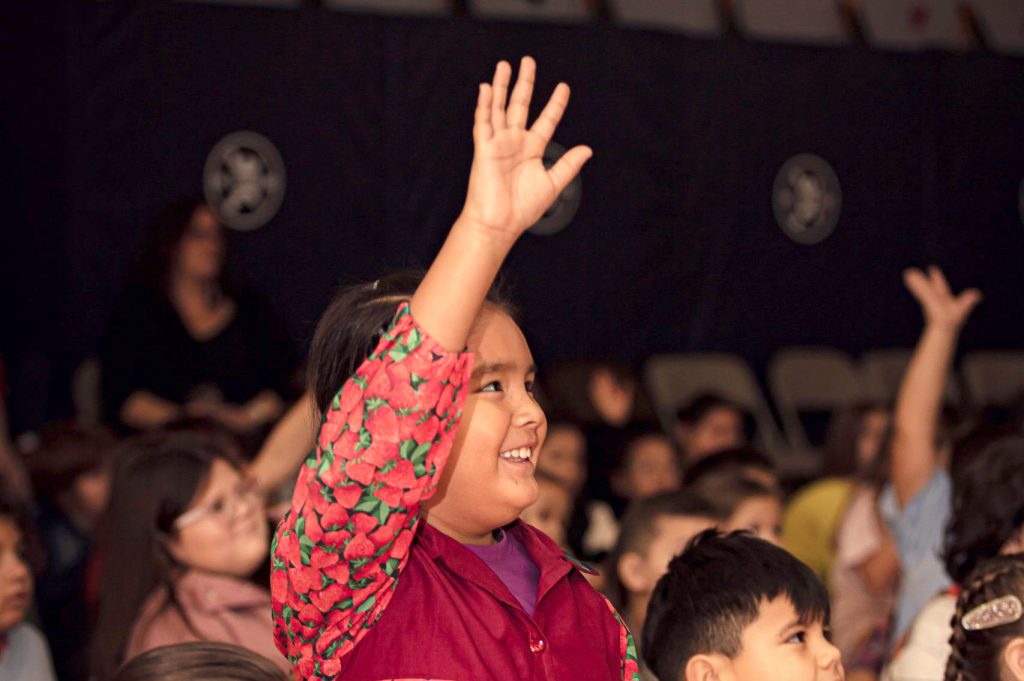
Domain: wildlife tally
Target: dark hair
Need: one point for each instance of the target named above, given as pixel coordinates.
(352, 325)
(639, 528)
(67, 450)
(733, 461)
(713, 591)
(725, 493)
(199, 661)
(974, 655)
(631, 436)
(988, 506)
(703, 404)
(156, 478)
(159, 248)
(842, 439)
(15, 510)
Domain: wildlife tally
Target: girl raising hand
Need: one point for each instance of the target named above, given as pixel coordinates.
(402, 556)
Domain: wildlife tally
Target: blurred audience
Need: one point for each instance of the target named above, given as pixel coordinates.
(184, 532)
(185, 341)
(71, 472)
(706, 424)
(24, 653)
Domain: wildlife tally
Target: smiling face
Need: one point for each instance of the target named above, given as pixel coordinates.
(224, 531)
(776, 647)
(488, 479)
(15, 578)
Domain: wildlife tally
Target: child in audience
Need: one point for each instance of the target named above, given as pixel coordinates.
(745, 461)
(24, 653)
(553, 509)
(654, 529)
(987, 520)
(199, 661)
(736, 608)
(988, 625)
(183, 533)
(647, 464)
(706, 424)
(916, 504)
(402, 555)
(854, 439)
(70, 471)
(743, 504)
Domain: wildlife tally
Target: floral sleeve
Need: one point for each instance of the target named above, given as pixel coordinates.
(383, 443)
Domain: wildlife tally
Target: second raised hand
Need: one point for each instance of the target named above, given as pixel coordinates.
(509, 187)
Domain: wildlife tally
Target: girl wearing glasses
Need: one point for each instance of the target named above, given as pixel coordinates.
(184, 532)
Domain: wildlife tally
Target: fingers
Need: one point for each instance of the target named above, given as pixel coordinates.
(916, 282)
(502, 76)
(569, 166)
(549, 118)
(967, 301)
(482, 130)
(939, 280)
(519, 102)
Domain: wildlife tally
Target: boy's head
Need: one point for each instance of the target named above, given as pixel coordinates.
(736, 608)
(646, 464)
(72, 467)
(745, 461)
(744, 504)
(653, 530)
(551, 512)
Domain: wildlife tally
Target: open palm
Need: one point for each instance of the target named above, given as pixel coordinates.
(509, 187)
(939, 304)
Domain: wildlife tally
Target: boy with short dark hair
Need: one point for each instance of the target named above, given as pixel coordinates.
(736, 608)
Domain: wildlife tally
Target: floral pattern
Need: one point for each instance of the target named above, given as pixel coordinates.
(383, 443)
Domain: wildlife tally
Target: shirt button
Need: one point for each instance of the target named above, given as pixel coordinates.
(537, 645)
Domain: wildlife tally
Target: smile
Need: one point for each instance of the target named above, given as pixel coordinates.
(519, 455)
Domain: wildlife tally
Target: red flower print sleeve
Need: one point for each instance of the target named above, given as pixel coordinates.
(383, 443)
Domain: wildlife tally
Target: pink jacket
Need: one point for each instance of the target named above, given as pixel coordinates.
(219, 608)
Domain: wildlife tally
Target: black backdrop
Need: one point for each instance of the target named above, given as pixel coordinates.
(115, 106)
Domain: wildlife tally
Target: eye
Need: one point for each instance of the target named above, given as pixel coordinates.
(529, 386)
(492, 387)
(798, 637)
(218, 506)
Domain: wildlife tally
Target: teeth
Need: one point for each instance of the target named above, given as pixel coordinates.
(520, 454)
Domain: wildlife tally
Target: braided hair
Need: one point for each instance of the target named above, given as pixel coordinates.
(975, 654)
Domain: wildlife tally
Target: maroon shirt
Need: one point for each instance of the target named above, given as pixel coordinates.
(363, 590)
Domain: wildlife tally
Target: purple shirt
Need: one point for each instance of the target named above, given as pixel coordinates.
(508, 559)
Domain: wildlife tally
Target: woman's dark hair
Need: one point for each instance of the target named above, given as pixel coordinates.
(66, 451)
(159, 248)
(975, 654)
(199, 661)
(353, 323)
(842, 440)
(156, 478)
(988, 506)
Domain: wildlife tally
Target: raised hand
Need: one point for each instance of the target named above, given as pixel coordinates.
(509, 187)
(938, 303)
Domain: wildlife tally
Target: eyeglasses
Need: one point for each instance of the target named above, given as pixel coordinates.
(223, 509)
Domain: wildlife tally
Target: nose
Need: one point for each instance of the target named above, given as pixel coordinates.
(527, 412)
(829, 658)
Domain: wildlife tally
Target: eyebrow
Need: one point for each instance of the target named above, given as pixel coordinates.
(499, 367)
(792, 625)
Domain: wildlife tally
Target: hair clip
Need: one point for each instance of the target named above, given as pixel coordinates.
(375, 284)
(994, 613)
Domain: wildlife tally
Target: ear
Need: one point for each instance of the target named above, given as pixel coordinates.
(631, 572)
(703, 668)
(1013, 658)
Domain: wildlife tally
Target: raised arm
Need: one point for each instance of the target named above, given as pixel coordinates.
(914, 452)
(287, 446)
(386, 436)
(509, 190)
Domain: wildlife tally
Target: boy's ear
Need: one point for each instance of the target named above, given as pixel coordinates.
(1013, 658)
(703, 668)
(631, 572)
